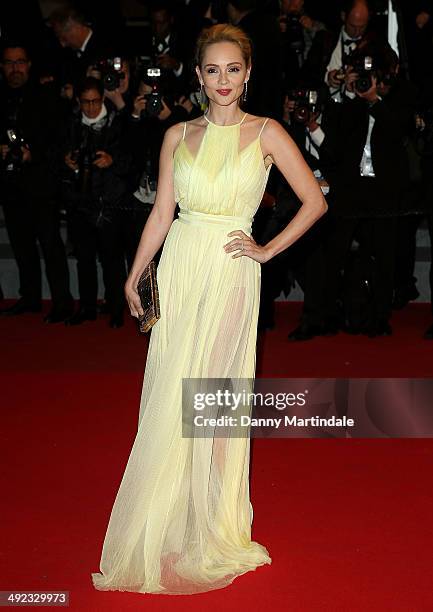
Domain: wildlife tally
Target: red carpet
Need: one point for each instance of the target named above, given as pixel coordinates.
(348, 523)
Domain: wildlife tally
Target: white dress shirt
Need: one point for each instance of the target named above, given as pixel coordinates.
(81, 50)
(366, 165)
(336, 63)
(313, 142)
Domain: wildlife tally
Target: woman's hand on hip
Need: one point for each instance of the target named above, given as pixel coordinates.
(246, 246)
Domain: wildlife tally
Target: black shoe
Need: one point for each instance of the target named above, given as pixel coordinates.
(378, 328)
(58, 315)
(103, 308)
(331, 327)
(403, 298)
(352, 329)
(428, 334)
(80, 316)
(116, 321)
(22, 306)
(305, 331)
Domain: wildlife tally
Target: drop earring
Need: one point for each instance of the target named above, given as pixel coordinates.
(203, 100)
(244, 97)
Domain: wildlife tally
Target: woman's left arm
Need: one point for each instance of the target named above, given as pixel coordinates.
(277, 143)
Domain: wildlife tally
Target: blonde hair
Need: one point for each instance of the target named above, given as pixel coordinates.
(223, 32)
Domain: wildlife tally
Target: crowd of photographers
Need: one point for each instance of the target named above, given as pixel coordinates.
(80, 136)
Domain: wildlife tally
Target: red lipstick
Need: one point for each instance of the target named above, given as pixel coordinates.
(224, 92)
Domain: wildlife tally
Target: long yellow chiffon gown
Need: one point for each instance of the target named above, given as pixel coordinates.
(181, 521)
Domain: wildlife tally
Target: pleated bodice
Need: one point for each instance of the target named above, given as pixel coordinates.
(221, 179)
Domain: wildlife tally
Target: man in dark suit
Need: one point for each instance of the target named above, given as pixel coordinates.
(95, 187)
(330, 50)
(30, 120)
(172, 49)
(370, 186)
(82, 45)
(308, 126)
(298, 30)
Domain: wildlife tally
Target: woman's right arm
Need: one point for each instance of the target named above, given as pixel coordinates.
(159, 221)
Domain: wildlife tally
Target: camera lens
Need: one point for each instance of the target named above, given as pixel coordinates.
(111, 81)
(301, 114)
(363, 84)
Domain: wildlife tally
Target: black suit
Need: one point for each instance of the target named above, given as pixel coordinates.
(386, 194)
(305, 259)
(74, 63)
(28, 194)
(95, 210)
(369, 205)
(173, 86)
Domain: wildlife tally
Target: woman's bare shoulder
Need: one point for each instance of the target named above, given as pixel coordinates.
(270, 126)
(274, 131)
(275, 140)
(174, 133)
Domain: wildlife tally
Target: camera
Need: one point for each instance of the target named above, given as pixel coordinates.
(111, 72)
(306, 104)
(84, 156)
(14, 157)
(151, 75)
(364, 68)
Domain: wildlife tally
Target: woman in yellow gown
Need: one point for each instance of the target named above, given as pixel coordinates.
(181, 521)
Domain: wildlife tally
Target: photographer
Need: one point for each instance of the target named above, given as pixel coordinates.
(370, 186)
(81, 47)
(95, 188)
(115, 75)
(306, 117)
(155, 109)
(144, 116)
(30, 119)
(135, 140)
(169, 48)
(118, 83)
(327, 59)
(298, 30)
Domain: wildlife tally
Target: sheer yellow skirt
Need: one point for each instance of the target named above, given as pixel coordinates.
(181, 522)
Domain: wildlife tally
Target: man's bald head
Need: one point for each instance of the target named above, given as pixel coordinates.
(356, 16)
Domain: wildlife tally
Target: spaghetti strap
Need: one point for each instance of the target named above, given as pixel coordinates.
(184, 131)
(264, 123)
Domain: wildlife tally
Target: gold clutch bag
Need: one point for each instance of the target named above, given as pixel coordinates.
(147, 289)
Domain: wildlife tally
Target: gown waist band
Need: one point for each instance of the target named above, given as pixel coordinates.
(199, 218)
